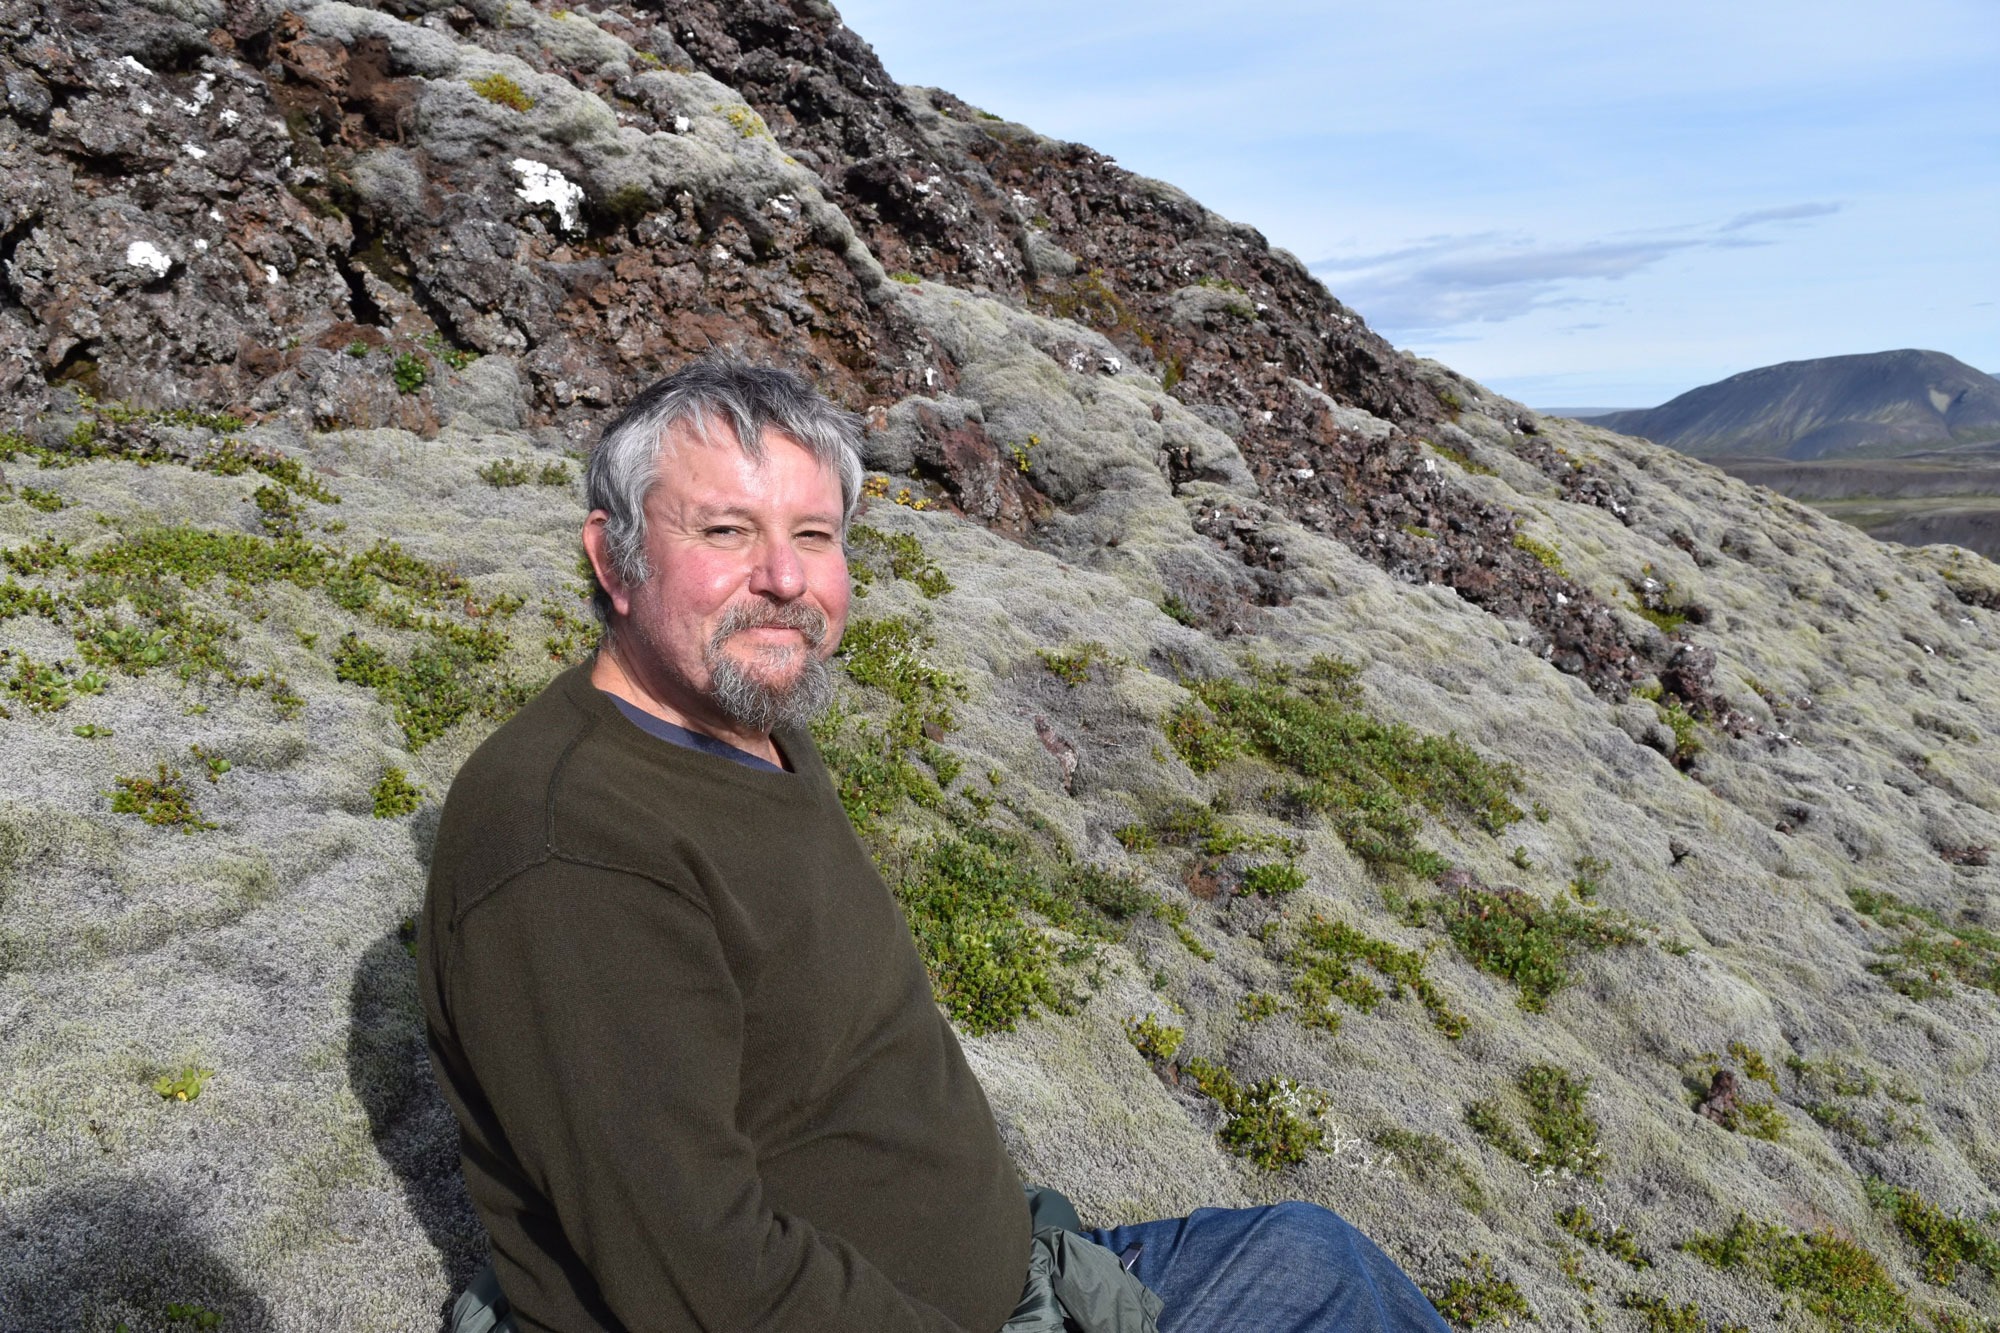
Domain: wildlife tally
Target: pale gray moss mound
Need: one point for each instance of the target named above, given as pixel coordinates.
(312, 1182)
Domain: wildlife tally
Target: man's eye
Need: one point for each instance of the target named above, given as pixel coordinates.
(723, 531)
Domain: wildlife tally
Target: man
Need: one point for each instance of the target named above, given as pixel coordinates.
(699, 1076)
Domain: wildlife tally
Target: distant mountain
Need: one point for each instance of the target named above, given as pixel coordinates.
(1881, 404)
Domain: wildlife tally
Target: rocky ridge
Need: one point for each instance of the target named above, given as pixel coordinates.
(306, 313)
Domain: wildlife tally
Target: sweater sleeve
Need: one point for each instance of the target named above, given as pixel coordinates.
(599, 1016)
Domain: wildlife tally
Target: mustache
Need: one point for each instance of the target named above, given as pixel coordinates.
(807, 620)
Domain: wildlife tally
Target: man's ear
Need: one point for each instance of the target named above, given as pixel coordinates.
(597, 548)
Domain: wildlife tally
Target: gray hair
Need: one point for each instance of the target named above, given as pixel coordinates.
(717, 387)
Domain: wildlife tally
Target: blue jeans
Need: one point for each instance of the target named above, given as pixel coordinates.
(1288, 1268)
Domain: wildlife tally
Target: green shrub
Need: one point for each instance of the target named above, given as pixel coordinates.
(1566, 1132)
(1557, 1117)
(1258, 1005)
(505, 472)
(1072, 666)
(1833, 1277)
(1274, 1123)
(278, 511)
(1323, 962)
(1182, 823)
(1946, 1242)
(1202, 745)
(1181, 611)
(1615, 1241)
(214, 764)
(1687, 741)
(967, 894)
(46, 502)
(37, 686)
(1930, 954)
(1842, 1120)
(1662, 1316)
(1152, 1039)
(161, 800)
(1135, 838)
(901, 552)
(875, 765)
(395, 794)
(1515, 935)
(1272, 880)
(443, 681)
(1371, 778)
(455, 357)
(1479, 1296)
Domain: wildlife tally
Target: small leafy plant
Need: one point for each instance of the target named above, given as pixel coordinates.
(1072, 666)
(1566, 1132)
(184, 1086)
(505, 472)
(395, 794)
(1615, 1241)
(162, 800)
(1274, 1122)
(409, 372)
(1479, 1296)
(1152, 1039)
(1272, 879)
(214, 764)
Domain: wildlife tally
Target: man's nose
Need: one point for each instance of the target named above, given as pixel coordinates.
(778, 572)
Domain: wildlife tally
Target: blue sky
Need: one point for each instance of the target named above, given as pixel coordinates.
(1579, 204)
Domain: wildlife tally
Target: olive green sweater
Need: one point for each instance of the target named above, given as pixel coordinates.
(699, 1076)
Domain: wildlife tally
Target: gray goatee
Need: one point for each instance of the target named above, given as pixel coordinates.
(754, 701)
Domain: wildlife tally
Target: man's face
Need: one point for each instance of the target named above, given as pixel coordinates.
(749, 589)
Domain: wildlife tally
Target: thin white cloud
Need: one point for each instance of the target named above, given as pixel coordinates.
(1440, 282)
(1788, 213)
(1467, 280)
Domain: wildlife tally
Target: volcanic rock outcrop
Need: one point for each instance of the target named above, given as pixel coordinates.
(1307, 773)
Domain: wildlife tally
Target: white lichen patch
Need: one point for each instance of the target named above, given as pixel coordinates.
(543, 184)
(194, 151)
(146, 255)
(204, 93)
(271, 274)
